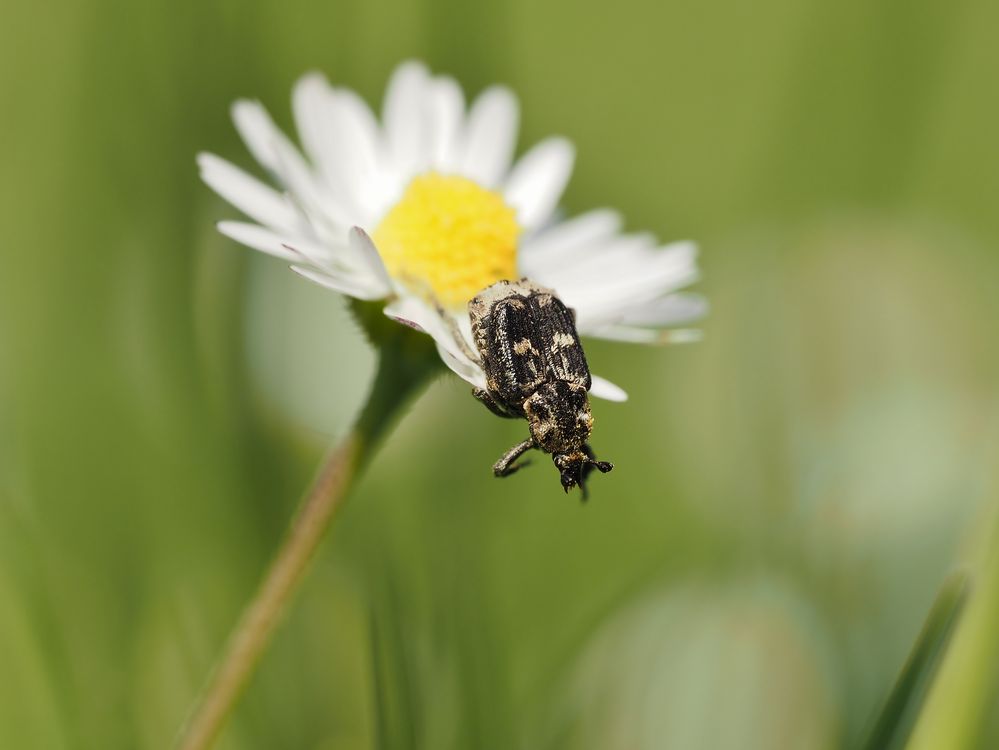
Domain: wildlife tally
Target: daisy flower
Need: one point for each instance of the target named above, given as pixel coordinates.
(427, 207)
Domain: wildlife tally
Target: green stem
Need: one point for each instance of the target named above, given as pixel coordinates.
(406, 362)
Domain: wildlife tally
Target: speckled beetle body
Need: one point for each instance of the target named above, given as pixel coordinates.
(535, 369)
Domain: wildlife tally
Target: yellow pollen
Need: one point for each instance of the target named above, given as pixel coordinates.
(449, 235)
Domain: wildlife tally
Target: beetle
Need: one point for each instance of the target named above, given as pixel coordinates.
(536, 370)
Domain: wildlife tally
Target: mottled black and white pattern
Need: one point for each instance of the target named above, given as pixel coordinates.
(535, 368)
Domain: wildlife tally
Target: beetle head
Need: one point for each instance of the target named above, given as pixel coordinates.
(576, 467)
(558, 415)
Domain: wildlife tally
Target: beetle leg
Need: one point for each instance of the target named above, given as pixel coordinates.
(603, 466)
(492, 404)
(506, 466)
(589, 466)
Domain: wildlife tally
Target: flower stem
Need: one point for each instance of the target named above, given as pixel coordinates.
(406, 362)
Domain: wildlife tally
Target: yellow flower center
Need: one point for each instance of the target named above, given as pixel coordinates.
(450, 236)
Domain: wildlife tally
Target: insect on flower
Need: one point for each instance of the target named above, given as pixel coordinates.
(419, 208)
(535, 368)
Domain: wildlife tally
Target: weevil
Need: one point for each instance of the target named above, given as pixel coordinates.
(536, 370)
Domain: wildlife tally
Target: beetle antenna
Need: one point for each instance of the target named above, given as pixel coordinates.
(603, 466)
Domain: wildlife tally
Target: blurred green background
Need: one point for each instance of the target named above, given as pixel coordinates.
(789, 494)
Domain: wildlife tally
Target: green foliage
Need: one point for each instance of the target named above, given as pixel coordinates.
(894, 724)
(788, 493)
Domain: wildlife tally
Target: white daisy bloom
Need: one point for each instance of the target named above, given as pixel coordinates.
(428, 207)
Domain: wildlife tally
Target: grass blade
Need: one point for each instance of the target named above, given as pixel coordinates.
(897, 718)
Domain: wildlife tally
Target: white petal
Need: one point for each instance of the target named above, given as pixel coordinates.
(620, 257)
(343, 284)
(445, 332)
(255, 236)
(404, 114)
(274, 151)
(258, 132)
(334, 258)
(340, 136)
(309, 100)
(567, 240)
(465, 327)
(606, 390)
(608, 294)
(625, 335)
(535, 185)
(671, 310)
(490, 136)
(247, 193)
(685, 336)
(319, 130)
(337, 259)
(369, 260)
(462, 367)
(447, 107)
(633, 335)
(361, 137)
